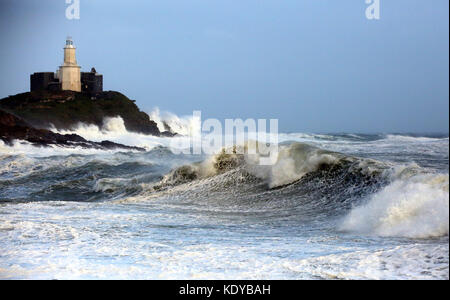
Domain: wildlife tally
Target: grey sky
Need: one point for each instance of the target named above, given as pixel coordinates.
(317, 66)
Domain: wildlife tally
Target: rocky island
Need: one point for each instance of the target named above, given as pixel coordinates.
(28, 116)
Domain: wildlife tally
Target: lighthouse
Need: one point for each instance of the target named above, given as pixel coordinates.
(68, 77)
(69, 73)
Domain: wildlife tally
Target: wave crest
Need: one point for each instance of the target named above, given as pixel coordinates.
(167, 121)
(293, 163)
(416, 208)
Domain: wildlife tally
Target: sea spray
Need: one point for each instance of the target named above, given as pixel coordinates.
(417, 207)
(167, 121)
(113, 129)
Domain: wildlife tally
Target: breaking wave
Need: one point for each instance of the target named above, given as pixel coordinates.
(417, 207)
(375, 197)
(293, 163)
(167, 121)
(113, 129)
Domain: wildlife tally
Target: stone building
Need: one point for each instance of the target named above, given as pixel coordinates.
(68, 77)
(91, 81)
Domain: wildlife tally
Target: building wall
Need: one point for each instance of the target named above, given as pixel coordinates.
(91, 82)
(70, 78)
(69, 57)
(40, 81)
(54, 86)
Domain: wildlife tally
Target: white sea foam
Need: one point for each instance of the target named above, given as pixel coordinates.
(296, 161)
(103, 241)
(113, 129)
(167, 121)
(407, 138)
(417, 207)
(19, 147)
(293, 162)
(400, 262)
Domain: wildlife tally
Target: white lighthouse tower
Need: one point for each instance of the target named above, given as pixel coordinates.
(69, 73)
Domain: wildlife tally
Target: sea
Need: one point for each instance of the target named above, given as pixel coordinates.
(332, 206)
